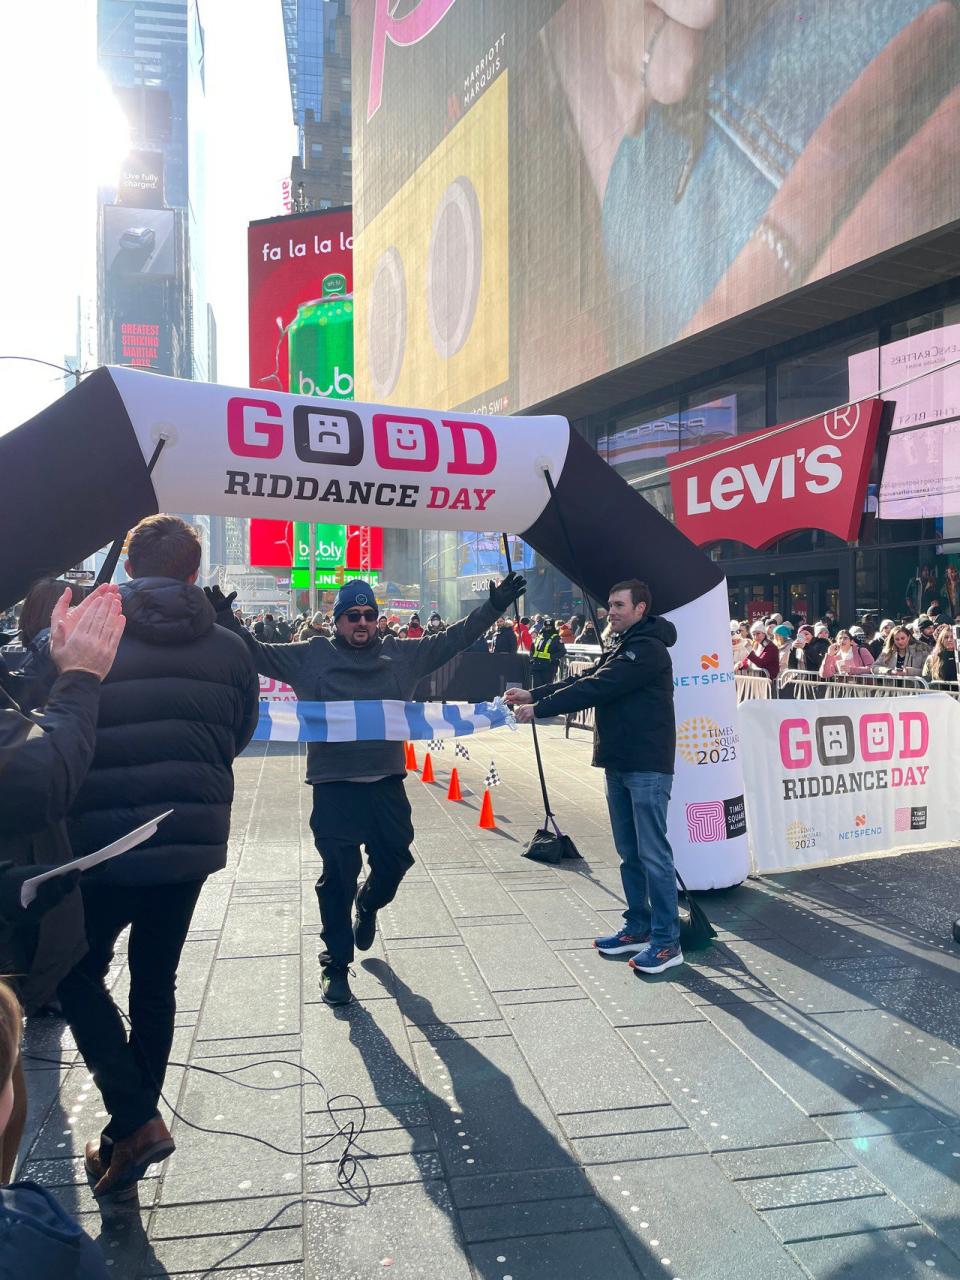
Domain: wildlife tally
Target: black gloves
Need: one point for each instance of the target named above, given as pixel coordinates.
(503, 594)
(48, 894)
(221, 603)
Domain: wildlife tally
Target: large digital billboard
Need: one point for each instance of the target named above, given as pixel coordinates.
(288, 261)
(549, 190)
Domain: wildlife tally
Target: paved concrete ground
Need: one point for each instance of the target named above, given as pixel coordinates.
(786, 1105)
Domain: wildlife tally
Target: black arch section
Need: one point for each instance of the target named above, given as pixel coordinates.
(71, 479)
(616, 534)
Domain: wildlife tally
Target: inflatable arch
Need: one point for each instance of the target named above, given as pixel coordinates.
(78, 474)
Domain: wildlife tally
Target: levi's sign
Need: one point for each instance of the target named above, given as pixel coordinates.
(771, 483)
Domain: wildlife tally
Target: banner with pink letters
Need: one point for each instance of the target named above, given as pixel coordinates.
(830, 779)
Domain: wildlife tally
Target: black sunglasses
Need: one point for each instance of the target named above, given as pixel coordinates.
(355, 615)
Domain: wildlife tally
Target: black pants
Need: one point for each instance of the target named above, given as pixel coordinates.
(345, 816)
(129, 1073)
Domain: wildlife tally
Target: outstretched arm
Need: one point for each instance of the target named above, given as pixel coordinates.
(433, 651)
(279, 661)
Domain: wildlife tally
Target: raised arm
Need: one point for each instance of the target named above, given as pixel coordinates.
(431, 652)
(279, 661)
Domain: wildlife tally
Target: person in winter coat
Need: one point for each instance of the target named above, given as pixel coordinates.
(181, 701)
(414, 629)
(879, 640)
(588, 634)
(783, 639)
(505, 639)
(901, 655)
(43, 762)
(764, 654)
(942, 663)
(631, 688)
(358, 793)
(25, 658)
(846, 658)
(523, 634)
(38, 1239)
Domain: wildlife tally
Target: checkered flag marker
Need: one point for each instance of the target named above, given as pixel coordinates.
(461, 751)
(436, 744)
(493, 778)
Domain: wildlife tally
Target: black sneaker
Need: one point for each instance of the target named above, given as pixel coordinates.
(364, 928)
(335, 986)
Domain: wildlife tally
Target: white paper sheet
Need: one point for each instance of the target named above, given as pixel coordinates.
(28, 890)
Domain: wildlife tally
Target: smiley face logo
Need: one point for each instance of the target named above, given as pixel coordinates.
(405, 443)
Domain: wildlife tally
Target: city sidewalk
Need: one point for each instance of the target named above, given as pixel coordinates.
(785, 1105)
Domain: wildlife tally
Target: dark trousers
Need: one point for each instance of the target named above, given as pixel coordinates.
(345, 816)
(129, 1072)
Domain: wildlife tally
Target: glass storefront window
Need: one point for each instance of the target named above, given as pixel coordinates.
(639, 443)
(726, 409)
(819, 380)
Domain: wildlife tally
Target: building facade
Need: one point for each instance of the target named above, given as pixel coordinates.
(670, 275)
(317, 34)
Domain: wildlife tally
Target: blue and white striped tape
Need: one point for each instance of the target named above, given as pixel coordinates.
(389, 720)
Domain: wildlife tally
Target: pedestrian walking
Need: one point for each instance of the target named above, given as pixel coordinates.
(358, 793)
(631, 687)
(179, 703)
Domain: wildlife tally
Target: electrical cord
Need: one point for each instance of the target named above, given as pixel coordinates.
(352, 1178)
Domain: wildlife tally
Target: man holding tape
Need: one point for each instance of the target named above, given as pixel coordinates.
(631, 688)
(358, 793)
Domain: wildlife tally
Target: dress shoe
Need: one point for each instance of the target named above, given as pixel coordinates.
(132, 1156)
(97, 1167)
(335, 985)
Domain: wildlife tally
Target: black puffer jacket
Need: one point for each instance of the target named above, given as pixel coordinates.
(179, 703)
(631, 688)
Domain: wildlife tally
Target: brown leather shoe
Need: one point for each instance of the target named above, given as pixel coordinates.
(132, 1156)
(96, 1169)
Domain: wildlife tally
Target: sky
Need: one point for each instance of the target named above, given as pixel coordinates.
(66, 136)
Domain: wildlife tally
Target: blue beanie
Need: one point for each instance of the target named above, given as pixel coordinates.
(355, 594)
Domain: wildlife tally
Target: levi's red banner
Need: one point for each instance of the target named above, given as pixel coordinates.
(770, 483)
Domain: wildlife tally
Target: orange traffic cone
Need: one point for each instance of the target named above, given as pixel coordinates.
(427, 775)
(453, 792)
(487, 821)
(410, 756)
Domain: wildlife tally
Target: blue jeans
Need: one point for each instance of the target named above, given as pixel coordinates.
(638, 815)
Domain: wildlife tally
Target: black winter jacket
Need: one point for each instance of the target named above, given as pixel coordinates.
(41, 770)
(631, 688)
(323, 670)
(180, 702)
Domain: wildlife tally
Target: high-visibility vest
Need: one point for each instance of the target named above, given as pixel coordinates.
(541, 648)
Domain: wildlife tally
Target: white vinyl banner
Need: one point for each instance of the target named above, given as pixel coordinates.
(233, 451)
(707, 821)
(831, 779)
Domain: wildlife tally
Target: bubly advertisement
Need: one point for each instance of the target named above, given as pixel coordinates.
(300, 281)
(830, 780)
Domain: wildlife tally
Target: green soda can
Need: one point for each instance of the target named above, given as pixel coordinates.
(320, 344)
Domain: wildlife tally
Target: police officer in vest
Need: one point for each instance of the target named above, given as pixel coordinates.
(545, 656)
(358, 793)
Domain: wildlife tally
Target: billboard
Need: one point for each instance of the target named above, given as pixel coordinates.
(142, 319)
(300, 276)
(549, 190)
(288, 260)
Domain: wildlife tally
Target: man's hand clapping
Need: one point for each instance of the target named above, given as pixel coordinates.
(85, 638)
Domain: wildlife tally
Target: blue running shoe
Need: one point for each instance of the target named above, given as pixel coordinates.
(619, 943)
(655, 959)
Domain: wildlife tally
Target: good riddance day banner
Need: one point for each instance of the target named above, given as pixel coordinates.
(828, 780)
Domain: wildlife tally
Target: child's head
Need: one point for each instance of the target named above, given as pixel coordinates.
(10, 1030)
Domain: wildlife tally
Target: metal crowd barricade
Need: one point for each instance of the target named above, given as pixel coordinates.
(580, 658)
(809, 684)
(753, 685)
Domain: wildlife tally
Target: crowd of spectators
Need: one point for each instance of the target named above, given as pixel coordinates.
(925, 646)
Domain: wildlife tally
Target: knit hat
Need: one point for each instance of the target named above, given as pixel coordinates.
(887, 622)
(784, 631)
(354, 594)
(821, 629)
